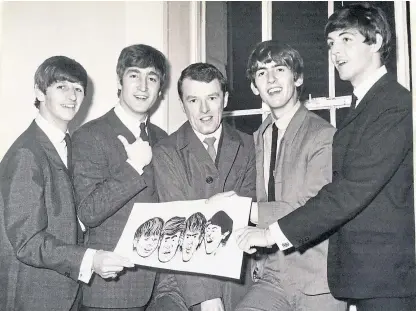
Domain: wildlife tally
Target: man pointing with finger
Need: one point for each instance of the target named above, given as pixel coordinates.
(111, 172)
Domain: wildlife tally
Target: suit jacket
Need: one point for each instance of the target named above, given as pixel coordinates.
(303, 166)
(106, 187)
(185, 171)
(369, 202)
(39, 258)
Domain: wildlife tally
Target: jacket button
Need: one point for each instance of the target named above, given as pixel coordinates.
(67, 274)
(209, 180)
(334, 174)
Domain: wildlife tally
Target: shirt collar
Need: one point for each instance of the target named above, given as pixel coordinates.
(55, 135)
(283, 122)
(216, 134)
(130, 122)
(363, 88)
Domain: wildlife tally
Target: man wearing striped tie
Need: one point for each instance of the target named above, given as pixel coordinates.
(205, 156)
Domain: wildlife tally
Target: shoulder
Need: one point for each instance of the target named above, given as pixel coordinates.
(393, 93)
(159, 133)
(316, 124)
(92, 128)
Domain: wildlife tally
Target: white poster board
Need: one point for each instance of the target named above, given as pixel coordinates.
(190, 236)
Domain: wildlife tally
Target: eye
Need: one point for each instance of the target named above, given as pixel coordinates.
(154, 79)
(346, 39)
(330, 44)
(192, 101)
(280, 69)
(79, 89)
(133, 76)
(212, 98)
(260, 73)
(60, 86)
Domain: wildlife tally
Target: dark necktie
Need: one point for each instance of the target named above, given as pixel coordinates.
(271, 194)
(68, 152)
(143, 134)
(211, 149)
(353, 101)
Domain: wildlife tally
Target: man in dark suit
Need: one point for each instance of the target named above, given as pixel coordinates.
(203, 157)
(40, 262)
(369, 206)
(111, 172)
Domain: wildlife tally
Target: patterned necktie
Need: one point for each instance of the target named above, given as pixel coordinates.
(353, 101)
(271, 185)
(211, 149)
(143, 134)
(68, 152)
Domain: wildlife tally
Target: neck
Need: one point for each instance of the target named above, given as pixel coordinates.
(280, 111)
(369, 70)
(60, 124)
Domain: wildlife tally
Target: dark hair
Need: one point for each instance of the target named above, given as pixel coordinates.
(174, 225)
(142, 56)
(202, 72)
(56, 69)
(368, 20)
(196, 222)
(224, 221)
(150, 227)
(278, 52)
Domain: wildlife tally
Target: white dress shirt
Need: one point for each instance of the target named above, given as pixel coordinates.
(57, 138)
(360, 91)
(133, 126)
(216, 134)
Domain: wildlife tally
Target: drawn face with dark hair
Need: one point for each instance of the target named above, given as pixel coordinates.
(168, 246)
(213, 237)
(146, 245)
(191, 241)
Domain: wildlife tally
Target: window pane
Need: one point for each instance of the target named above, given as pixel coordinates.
(232, 30)
(301, 25)
(344, 87)
(246, 124)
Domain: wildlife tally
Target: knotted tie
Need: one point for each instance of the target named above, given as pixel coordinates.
(353, 101)
(271, 190)
(68, 152)
(143, 134)
(211, 149)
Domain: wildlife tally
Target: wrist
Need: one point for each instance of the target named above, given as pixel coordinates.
(269, 237)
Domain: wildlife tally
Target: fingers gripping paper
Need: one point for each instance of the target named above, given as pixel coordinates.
(190, 236)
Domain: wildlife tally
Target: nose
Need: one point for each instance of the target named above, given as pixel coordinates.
(72, 94)
(204, 106)
(271, 76)
(142, 85)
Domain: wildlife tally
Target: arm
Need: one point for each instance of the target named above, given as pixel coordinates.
(367, 168)
(99, 192)
(26, 219)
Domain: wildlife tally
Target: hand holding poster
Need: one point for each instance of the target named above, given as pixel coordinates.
(190, 236)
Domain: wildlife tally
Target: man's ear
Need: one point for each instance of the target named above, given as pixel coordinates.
(299, 81)
(39, 94)
(225, 99)
(182, 105)
(119, 85)
(254, 89)
(377, 45)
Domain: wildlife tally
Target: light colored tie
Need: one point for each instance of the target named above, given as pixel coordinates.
(211, 149)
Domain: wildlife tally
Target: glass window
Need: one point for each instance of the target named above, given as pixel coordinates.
(301, 25)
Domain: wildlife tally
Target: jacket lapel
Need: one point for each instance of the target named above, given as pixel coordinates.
(227, 152)
(383, 81)
(119, 127)
(259, 146)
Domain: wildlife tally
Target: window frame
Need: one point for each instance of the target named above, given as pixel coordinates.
(332, 102)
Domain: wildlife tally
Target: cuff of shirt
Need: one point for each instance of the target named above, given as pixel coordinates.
(86, 271)
(278, 236)
(139, 169)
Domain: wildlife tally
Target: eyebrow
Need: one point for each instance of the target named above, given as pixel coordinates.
(345, 32)
(214, 94)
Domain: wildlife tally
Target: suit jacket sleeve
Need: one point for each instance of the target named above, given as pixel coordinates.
(26, 219)
(99, 191)
(318, 174)
(367, 168)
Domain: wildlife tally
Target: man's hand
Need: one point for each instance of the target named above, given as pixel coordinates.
(108, 264)
(220, 196)
(139, 152)
(212, 305)
(249, 237)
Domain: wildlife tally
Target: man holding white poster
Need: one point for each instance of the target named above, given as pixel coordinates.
(205, 156)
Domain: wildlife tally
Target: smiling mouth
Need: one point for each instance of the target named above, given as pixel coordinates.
(141, 97)
(206, 119)
(69, 106)
(274, 90)
(341, 63)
